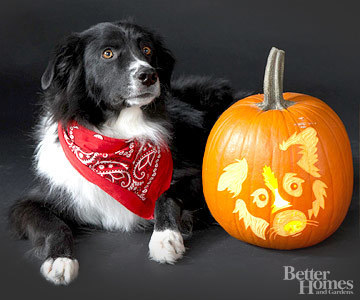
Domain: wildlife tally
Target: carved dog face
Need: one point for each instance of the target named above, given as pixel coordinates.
(276, 191)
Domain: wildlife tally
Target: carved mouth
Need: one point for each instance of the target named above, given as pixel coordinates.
(289, 222)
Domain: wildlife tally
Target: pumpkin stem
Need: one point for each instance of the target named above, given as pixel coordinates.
(273, 82)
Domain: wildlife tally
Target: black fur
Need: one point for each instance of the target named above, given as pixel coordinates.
(51, 237)
(187, 107)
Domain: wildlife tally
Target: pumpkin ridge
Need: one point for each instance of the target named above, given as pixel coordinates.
(253, 173)
(330, 114)
(284, 115)
(242, 147)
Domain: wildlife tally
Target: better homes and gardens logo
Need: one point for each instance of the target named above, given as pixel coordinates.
(318, 282)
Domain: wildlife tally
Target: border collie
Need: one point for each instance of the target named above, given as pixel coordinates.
(115, 79)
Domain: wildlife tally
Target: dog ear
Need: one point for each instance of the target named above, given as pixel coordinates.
(48, 75)
(66, 57)
(165, 62)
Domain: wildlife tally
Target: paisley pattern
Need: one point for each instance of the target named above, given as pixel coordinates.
(132, 167)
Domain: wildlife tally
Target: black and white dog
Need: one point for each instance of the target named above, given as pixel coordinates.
(115, 79)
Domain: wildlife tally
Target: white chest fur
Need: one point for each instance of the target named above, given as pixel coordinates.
(131, 123)
(89, 202)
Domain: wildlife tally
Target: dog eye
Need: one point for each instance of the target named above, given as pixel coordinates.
(146, 50)
(107, 54)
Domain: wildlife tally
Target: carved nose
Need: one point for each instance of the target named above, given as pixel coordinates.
(148, 77)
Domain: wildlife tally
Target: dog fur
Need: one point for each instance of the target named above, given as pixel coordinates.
(109, 97)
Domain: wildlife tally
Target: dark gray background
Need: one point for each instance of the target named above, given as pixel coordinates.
(230, 39)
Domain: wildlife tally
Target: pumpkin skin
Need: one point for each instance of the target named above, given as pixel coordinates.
(278, 178)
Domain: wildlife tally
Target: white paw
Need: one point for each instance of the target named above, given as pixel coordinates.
(61, 270)
(166, 246)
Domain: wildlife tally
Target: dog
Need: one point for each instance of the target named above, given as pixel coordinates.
(115, 79)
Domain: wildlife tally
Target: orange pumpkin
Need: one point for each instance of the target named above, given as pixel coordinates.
(277, 169)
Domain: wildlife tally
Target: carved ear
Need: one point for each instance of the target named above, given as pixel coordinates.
(66, 57)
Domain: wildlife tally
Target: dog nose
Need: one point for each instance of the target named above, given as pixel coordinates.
(148, 77)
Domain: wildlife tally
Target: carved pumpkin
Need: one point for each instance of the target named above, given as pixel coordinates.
(277, 169)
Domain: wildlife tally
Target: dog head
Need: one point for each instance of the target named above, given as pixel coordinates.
(110, 65)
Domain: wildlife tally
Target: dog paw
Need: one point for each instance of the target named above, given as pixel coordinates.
(166, 246)
(60, 271)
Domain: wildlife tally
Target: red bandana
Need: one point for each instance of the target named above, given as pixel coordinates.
(133, 173)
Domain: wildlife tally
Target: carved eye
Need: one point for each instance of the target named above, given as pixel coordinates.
(146, 50)
(261, 197)
(292, 184)
(107, 54)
